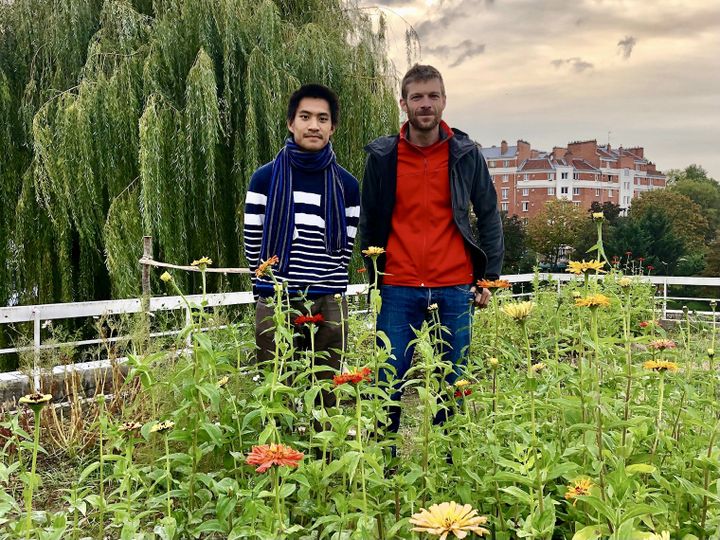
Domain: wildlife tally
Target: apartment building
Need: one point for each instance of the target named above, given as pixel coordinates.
(581, 172)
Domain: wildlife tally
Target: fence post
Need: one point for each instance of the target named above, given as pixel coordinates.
(664, 312)
(147, 254)
(36, 350)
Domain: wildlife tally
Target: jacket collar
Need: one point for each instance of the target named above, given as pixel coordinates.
(460, 144)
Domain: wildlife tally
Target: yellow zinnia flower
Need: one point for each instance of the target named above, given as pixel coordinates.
(494, 362)
(162, 426)
(593, 301)
(166, 277)
(660, 366)
(222, 382)
(449, 517)
(517, 310)
(598, 216)
(584, 267)
(461, 383)
(579, 488)
(202, 262)
(536, 368)
(373, 251)
(625, 282)
(129, 426)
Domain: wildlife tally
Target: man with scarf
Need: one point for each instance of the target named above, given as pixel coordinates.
(303, 208)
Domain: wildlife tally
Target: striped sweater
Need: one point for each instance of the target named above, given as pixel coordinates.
(311, 270)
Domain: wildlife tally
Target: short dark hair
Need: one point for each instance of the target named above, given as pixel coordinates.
(319, 91)
(420, 73)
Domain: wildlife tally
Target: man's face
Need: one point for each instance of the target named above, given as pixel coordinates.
(424, 104)
(312, 125)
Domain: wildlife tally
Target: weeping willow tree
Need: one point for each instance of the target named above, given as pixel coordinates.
(123, 118)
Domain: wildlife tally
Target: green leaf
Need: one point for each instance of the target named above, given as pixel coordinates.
(642, 468)
(591, 532)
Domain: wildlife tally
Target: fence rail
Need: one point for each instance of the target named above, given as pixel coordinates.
(38, 314)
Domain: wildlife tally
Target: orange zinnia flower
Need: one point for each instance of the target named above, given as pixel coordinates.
(493, 284)
(354, 377)
(263, 268)
(267, 455)
(662, 344)
(309, 319)
(579, 488)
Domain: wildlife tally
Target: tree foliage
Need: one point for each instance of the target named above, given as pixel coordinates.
(695, 184)
(120, 118)
(554, 227)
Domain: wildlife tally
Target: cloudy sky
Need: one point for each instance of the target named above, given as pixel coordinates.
(643, 73)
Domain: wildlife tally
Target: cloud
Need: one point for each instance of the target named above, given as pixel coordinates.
(577, 64)
(464, 50)
(451, 12)
(626, 46)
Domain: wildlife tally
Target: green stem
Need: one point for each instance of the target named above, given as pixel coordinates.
(358, 438)
(31, 487)
(168, 478)
(658, 422)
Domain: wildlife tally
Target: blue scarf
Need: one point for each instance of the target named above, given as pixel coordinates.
(279, 225)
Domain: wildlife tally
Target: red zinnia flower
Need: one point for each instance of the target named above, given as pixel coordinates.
(309, 319)
(628, 253)
(641, 259)
(650, 267)
(644, 324)
(461, 393)
(354, 377)
(267, 455)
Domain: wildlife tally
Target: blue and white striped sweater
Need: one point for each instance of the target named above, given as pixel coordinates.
(311, 270)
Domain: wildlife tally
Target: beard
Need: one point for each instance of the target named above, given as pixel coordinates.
(422, 123)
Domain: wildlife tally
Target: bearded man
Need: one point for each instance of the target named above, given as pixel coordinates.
(417, 192)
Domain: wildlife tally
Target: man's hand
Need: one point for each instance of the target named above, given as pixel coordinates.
(481, 297)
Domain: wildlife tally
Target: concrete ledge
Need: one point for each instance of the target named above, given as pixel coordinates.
(85, 379)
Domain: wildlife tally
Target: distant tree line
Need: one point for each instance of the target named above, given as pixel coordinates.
(672, 231)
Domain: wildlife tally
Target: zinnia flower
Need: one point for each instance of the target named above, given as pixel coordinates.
(460, 393)
(650, 267)
(202, 263)
(493, 284)
(373, 251)
(267, 455)
(462, 382)
(598, 216)
(624, 282)
(35, 401)
(449, 517)
(660, 366)
(537, 368)
(161, 427)
(265, 266)
(129, 426)
(353, 377)
(593, 301)
(711, 353)
(579, 488)
(585, 267)
(223, 381)
(166, 277)
(494, 363)
(432, 307)
(517, 310)
(309, 319)
(662, 344)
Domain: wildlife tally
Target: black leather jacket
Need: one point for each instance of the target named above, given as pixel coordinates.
(470, 184)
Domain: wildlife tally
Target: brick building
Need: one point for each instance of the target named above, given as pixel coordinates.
(582, 172)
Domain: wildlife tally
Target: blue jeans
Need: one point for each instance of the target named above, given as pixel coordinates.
(405, 308)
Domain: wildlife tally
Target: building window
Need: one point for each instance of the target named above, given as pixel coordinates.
(597, 192)
(525, 221)
(576, 176)
(505, 178)
(525, 206)
(576, 191)
(491, 163)
(564, 190)
(563, 175)
(505, 194)
(505, 163)
(610, 193)
(627, 185)
(526, 192)
(551, 191)
(576, 203)
(526, 177)
(504, 207)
